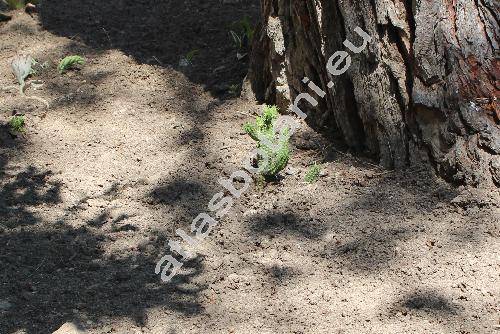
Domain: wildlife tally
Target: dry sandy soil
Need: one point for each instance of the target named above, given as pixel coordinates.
(131, 149)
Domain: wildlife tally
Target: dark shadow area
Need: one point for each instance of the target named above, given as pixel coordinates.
(382, 213)
(160, 33)
(189, 198)
(277, 224)
(436, 307)
(429, 302)
(52, 276)
(280, 274)
(371, 252)
(52, 273)
(426, 302)
(6, 142)
(23, 190)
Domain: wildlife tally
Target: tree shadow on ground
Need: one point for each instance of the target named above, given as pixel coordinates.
(25, 189)
(277, 224)
(382, 214)
(6, 142)
(22, 189)
(434, 306)
(191, 197)
(160, 32)
(428, 301)
(53, 272)
(54, 276)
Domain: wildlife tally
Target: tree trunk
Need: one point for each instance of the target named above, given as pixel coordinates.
(428, 81)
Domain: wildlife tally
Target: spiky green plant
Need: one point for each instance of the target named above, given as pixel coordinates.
(69, 62)
(275, 150)
(17, 123)
(313, 173)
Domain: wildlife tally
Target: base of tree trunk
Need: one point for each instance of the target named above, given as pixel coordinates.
(428, 81)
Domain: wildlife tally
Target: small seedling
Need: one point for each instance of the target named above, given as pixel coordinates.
(17, 123)
(70, 62)
(248, 30)
(237, 40)
(187, 60)
(243, 33)
(191, 54)
(313, 173)
(274, 151)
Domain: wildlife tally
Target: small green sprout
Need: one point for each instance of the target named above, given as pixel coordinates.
(274, 150)
(243, 33)
(187, 60)
(313, 173)
(237, 39)
(247, 28)
(69, 62)
(191, 54)
(17, 123)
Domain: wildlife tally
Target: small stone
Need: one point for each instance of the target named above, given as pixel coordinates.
(183, 62)
(290, 171)
(70, 328)
(5, 305)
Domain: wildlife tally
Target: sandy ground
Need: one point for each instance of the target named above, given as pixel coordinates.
(131, 150)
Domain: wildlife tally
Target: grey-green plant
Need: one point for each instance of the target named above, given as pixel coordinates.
(237, 39)
(22, 68)
(70, 62)
(17, 123)
(273, 147)
(313, 173)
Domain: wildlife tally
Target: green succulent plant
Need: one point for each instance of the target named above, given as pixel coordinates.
(17, 123)
(69, 62)
(313, 173)
(274, 147)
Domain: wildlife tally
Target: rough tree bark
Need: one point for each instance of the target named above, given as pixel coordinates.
(427, 82)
